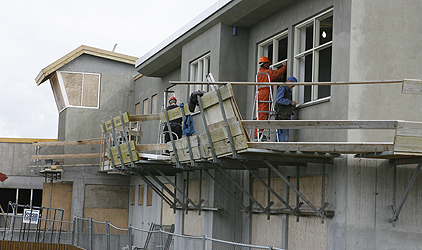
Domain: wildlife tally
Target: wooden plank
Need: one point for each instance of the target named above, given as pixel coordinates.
(151, 147)
(409, 129)
(221, 133)
(66, 156)
(327, 147)
(25, 140)
(174, 114)
(296, 83)
(148, 117)
(182, 143)
(319, 124)
(412, 86)
(223, 147)
(209, 99)
(184, 156)
(408, 144)
(93, 141)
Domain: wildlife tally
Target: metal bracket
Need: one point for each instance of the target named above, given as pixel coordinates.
(204, 120)
(226, 124)
(396, 210)
(192, 161)
(318, 212)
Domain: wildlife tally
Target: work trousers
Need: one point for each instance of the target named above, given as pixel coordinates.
(263, 95)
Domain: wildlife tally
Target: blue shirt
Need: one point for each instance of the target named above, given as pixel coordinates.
(279, 97)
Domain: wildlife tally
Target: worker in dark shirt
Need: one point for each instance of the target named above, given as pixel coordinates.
(284, 107)
(176, 125)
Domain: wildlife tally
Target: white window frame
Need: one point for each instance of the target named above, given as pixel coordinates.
(263, 49)
(64, 93)
(196, 75)
(298, 55)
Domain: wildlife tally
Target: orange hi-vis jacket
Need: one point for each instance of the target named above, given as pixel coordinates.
(264, 90)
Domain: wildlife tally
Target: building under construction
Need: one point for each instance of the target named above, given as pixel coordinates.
(348, 178)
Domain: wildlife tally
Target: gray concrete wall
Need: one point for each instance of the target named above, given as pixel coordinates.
(15, 159)
(383, 52)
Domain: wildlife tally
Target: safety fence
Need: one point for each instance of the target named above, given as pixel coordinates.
(94, 235)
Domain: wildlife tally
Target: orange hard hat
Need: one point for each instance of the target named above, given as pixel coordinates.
(264, 59)
(172, 98)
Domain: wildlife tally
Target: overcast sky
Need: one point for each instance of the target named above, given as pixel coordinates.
(34, 34)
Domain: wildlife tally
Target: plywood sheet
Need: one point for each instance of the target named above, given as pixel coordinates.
(117, 217)
(73, 85)
(107, 196)
(307, 234)
(91, 89)
(167, 214)
(61, 198)
(265, 232)
(260, 192)
(310, 187)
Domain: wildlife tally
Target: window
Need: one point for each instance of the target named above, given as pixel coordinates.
(275, 49)
(138, 108)
(154, 104)
(141, 195)
(31, 197)
(313, 53)
(132, 195)
(145, 107)
(199, 69)
(76, 89)
(149, 196)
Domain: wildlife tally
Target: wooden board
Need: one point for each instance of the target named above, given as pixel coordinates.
(223, 148)
(147, 117)
(116, 121)
(319, 124)
(151, 147)
(93, 141)
(409, 129)
(66, 156)
(327, 147)
(412, 87)
(124, 152)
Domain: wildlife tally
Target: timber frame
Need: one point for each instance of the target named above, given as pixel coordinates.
(225, 146)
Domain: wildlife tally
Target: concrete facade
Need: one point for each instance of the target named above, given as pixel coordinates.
(364, 47)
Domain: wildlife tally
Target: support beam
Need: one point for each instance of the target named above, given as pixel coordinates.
(396, 211)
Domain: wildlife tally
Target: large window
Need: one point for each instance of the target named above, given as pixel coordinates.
(313, 53)
(80, 90)
(199, 69)
(275, 48)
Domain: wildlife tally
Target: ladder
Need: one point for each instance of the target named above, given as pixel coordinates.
(263, 134)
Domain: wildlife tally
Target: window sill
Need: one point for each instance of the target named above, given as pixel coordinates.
(312, 103)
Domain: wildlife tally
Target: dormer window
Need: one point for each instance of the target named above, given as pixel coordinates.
(81, 90)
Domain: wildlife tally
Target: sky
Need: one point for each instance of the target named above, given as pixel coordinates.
(34, 34)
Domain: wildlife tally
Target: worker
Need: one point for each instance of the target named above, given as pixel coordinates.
(175, 125)
(284, 107)
(265, 91)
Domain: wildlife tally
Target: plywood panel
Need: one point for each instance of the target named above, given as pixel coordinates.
(265, 232)
(310, 187)
(73, 85)
(167, 214)
(117, 217)
(260, 192)
(194, 223)
(307, 234)
(91, 88)
(61, 198)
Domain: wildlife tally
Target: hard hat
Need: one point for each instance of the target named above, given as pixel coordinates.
(264, 59)
(171, 99)
(292, 78)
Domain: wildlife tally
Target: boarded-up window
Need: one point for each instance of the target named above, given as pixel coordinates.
(145, 107)
(141, 195)
(149, 196)
(138, 108)
(76, 89)
(154, 104)
(132, 195)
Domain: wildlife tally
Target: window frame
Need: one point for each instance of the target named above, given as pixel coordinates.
(314, 51)
(64, 95)
(275, 41)
(203, 62)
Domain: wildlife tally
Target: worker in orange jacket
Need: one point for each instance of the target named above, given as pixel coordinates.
(265, 91)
